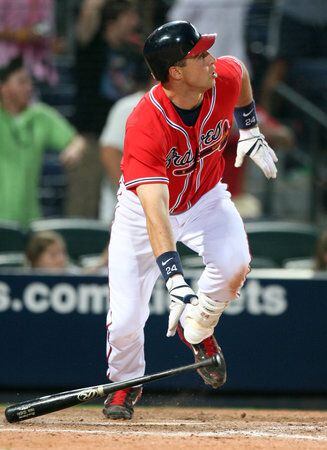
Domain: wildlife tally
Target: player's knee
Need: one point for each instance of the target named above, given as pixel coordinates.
(235, 283)
(225, 286)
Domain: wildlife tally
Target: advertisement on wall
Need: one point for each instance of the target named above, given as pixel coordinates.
(53, 334)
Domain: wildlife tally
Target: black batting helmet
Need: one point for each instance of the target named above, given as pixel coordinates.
(172, 42)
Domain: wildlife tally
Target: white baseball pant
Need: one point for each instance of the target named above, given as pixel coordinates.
(212, 227)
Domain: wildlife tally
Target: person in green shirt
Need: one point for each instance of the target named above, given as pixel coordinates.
(26, 130)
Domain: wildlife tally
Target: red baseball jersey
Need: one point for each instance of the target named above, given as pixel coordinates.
(160, 148)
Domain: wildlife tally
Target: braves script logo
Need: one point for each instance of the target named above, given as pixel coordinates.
(214, 140)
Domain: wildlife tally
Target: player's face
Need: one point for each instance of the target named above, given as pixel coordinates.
(199, 71)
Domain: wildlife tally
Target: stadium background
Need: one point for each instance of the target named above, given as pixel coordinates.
(52, 328)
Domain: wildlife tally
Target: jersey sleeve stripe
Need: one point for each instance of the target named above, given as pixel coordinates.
(146, 180)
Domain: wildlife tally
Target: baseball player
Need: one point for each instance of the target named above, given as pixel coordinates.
(171, 191)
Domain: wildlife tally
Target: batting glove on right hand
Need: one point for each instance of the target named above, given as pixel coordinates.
(180, 293)
(253, 144)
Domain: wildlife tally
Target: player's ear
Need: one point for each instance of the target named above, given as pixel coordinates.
(175, 72)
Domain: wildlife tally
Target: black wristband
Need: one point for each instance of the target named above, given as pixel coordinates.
(246, 116)
(169, 264)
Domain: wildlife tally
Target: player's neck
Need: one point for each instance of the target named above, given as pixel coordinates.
(184, 100)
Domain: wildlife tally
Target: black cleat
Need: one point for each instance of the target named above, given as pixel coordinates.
(215, 376)
(120, 404)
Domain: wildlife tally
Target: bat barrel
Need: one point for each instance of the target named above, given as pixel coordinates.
(39, 407)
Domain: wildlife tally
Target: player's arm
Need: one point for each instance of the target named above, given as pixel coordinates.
(252, 142)
(155, 202)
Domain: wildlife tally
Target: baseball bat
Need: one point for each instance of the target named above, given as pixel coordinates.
(56, 402)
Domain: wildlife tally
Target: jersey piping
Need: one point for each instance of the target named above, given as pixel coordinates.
(213, 101)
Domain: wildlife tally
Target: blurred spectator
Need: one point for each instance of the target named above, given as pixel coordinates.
(90, 14)
(107, 52)
(26, 131)
(227, 18)
(299, 31)
(47, 250)
(27, 28)
(112, 141)
(108, 49)
(256, 39)
(297, 48)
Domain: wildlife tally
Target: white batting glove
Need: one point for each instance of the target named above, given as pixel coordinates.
(253, 144)
(180, 293)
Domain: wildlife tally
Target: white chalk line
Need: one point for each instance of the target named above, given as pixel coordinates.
(175, 423)
(170, 423)
(164, 433)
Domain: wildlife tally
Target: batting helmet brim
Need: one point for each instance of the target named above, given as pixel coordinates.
(205, 42)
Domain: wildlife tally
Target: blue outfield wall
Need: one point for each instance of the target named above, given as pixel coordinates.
(274, 338)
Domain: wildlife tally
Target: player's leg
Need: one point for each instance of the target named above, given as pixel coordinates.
(132, 275)
(216, 232)
(129, 310)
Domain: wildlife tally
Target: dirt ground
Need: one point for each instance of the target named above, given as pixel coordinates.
(169, 428)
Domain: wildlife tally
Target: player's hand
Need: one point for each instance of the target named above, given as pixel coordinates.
(253, 144)
(180, 293)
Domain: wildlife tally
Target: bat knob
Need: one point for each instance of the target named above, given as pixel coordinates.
(219, 373)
